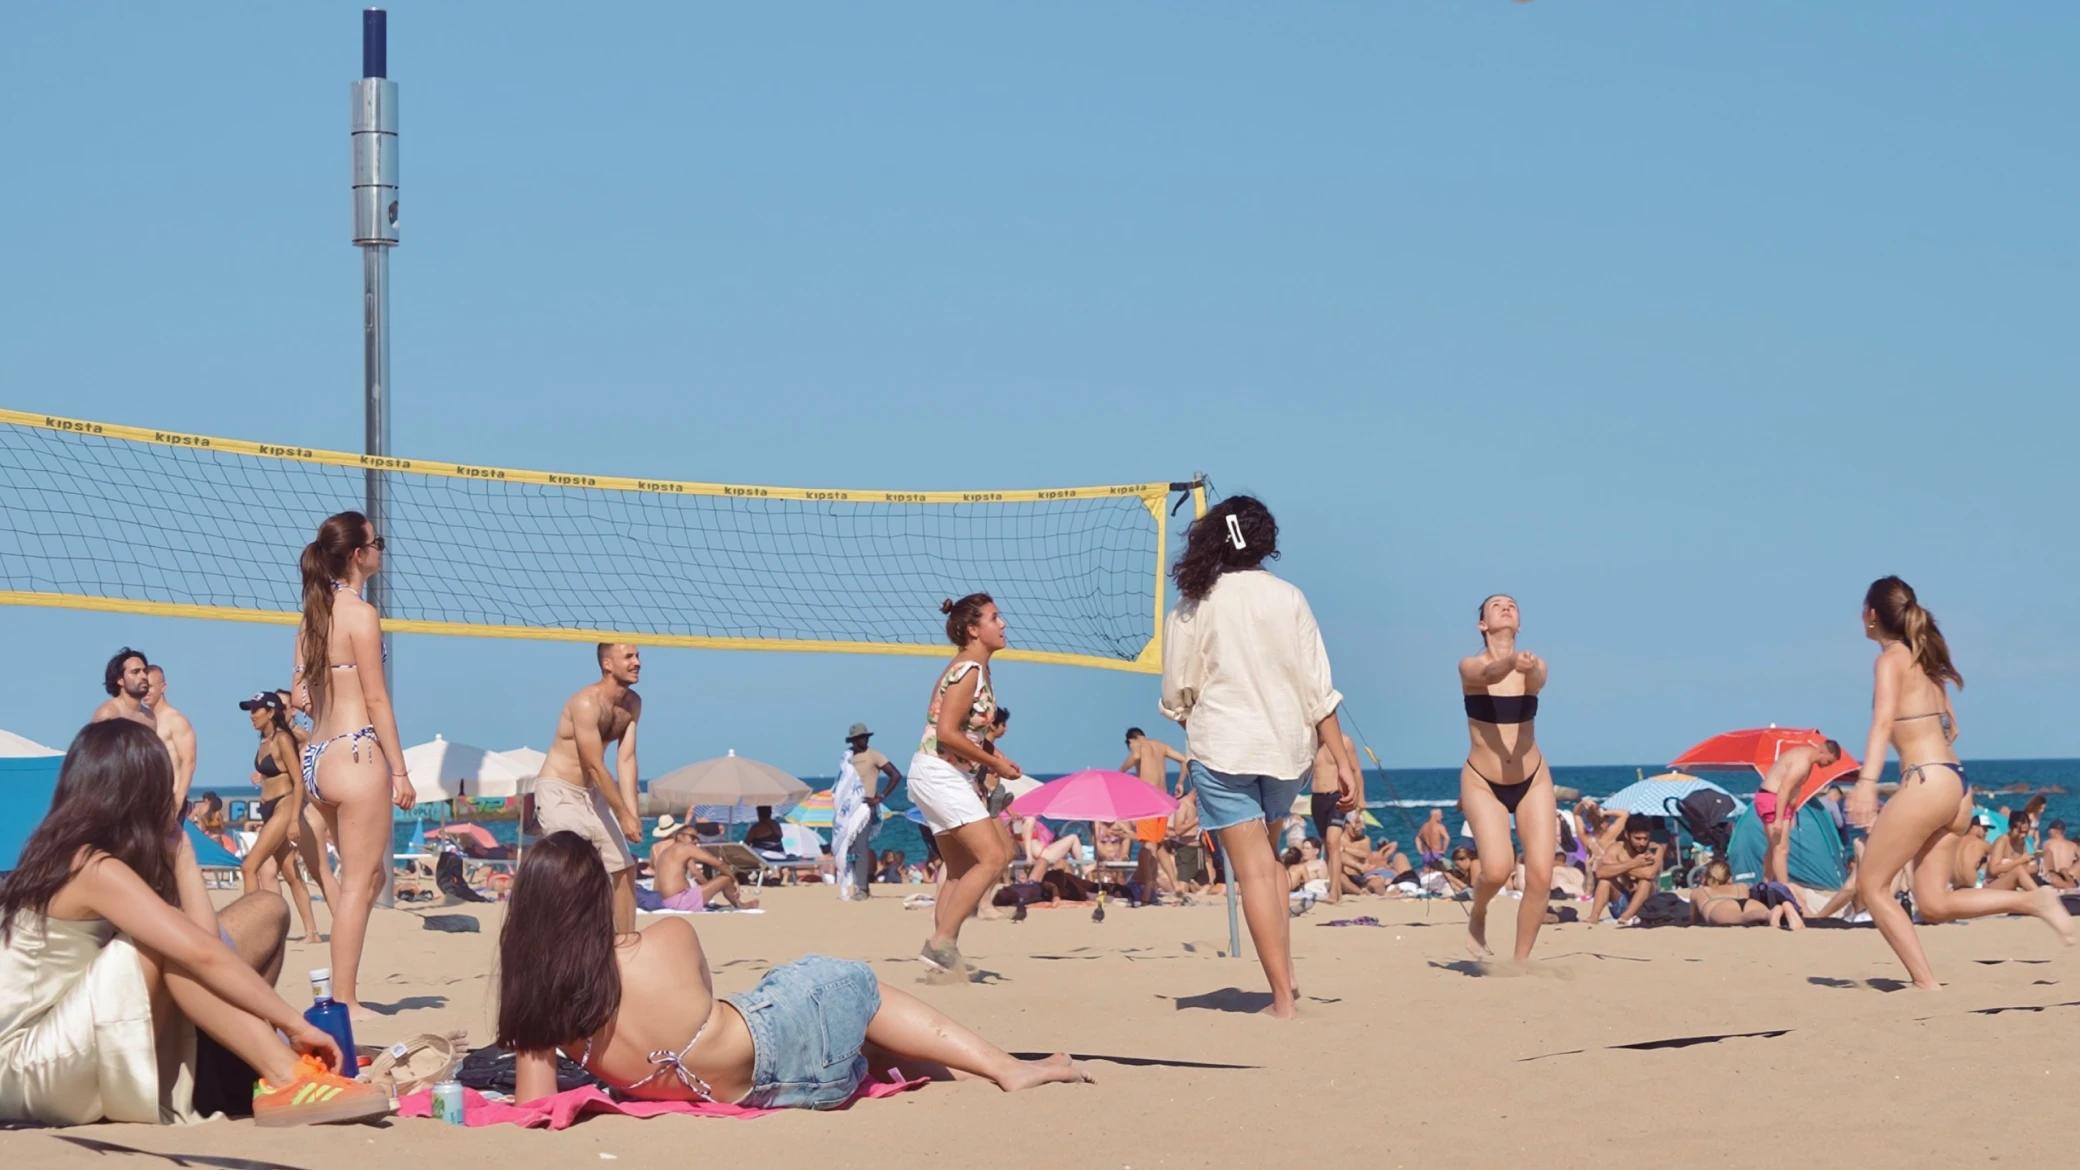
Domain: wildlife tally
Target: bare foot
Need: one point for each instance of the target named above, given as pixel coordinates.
(2052, 910)
(1477, 934)
(1054, 1070)
(1278, 1011)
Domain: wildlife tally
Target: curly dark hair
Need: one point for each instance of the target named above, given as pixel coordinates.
(1209, 547)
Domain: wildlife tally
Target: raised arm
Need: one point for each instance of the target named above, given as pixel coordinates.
(365, 643)
(1478, 674)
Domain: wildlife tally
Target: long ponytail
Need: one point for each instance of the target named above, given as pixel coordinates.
(324, 563)
(1899, 614)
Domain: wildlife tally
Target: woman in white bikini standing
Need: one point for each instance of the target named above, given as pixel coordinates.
(975, 847)
(1910, 711)
(339, 676)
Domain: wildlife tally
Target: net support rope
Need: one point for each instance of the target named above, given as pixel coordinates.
(106, 517)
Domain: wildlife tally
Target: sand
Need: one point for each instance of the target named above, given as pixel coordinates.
(1406, 1054)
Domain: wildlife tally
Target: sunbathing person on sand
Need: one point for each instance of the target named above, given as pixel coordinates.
(639, 1010)
(2061, 857)
(2011, 865)
(1721, 901)
(680, 883)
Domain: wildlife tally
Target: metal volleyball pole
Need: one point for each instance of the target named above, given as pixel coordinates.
(374, 138)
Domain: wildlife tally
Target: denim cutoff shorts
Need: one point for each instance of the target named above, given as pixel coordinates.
(1226, 801)
(808, 1020)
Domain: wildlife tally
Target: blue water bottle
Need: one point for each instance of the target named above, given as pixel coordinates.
(329, 1015)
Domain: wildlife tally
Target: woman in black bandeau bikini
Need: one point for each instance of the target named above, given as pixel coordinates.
(1910, 711)
(1506, 774)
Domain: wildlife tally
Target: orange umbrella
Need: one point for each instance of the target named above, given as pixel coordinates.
(1758, 748)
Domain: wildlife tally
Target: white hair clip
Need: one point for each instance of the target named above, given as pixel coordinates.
(1235, 533)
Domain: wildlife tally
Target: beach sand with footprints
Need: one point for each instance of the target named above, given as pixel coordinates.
(1729, 1047)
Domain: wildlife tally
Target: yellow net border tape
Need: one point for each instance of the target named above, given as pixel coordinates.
(561, 479)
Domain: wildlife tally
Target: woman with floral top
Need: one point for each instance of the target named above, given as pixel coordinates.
(975, 848)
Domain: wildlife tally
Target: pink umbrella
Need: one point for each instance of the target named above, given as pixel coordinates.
(1093, 795)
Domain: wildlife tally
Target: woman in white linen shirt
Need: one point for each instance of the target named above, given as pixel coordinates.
(1245, 673)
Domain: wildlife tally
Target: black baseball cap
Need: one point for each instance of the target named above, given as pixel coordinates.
(271, 700)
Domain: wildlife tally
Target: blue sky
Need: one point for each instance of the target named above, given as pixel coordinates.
(1680, 324)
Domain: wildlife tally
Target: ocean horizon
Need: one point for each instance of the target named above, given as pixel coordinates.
(1394, 795)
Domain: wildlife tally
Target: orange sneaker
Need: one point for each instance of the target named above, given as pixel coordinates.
(318, 1096)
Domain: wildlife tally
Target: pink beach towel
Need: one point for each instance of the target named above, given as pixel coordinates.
(565, 1109)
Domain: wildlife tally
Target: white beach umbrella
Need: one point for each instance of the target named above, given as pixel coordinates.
(524, 759)
(14, 747)
(443, 769)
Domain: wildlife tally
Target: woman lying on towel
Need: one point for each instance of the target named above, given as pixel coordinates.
(1721, 901)
(639, 1010)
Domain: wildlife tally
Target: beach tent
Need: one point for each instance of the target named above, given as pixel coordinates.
(443, 769)
(1817, 860)
(208, 853)
(26, 785)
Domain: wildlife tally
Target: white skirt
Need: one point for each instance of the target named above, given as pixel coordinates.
(945, 794)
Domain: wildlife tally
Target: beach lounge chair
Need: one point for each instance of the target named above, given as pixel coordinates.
(219, 867)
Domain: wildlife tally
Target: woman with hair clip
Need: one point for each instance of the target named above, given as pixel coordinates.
(975, 847)
(639, 1010)
(339, 680)
(1245, 673)
(1910, 712)
(1505, 774)
(271, 860)
(112, 959)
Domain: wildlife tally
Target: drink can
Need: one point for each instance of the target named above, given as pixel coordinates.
(447, 1102)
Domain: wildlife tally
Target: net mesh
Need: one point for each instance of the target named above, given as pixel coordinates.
(137, 520)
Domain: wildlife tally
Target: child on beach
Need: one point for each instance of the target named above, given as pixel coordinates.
(639, 1009)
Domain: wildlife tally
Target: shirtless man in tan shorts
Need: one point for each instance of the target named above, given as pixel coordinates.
(1149, 759)
(174, 731)
(575, 792)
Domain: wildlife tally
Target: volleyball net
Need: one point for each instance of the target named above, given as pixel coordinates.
(124, 519)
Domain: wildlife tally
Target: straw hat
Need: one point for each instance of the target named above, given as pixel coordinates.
(668, 825)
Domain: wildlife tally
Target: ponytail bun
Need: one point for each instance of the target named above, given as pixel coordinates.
(962, 614)
(946, 606)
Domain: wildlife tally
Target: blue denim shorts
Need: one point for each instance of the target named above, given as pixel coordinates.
(1226, 801)
(808, 1020)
